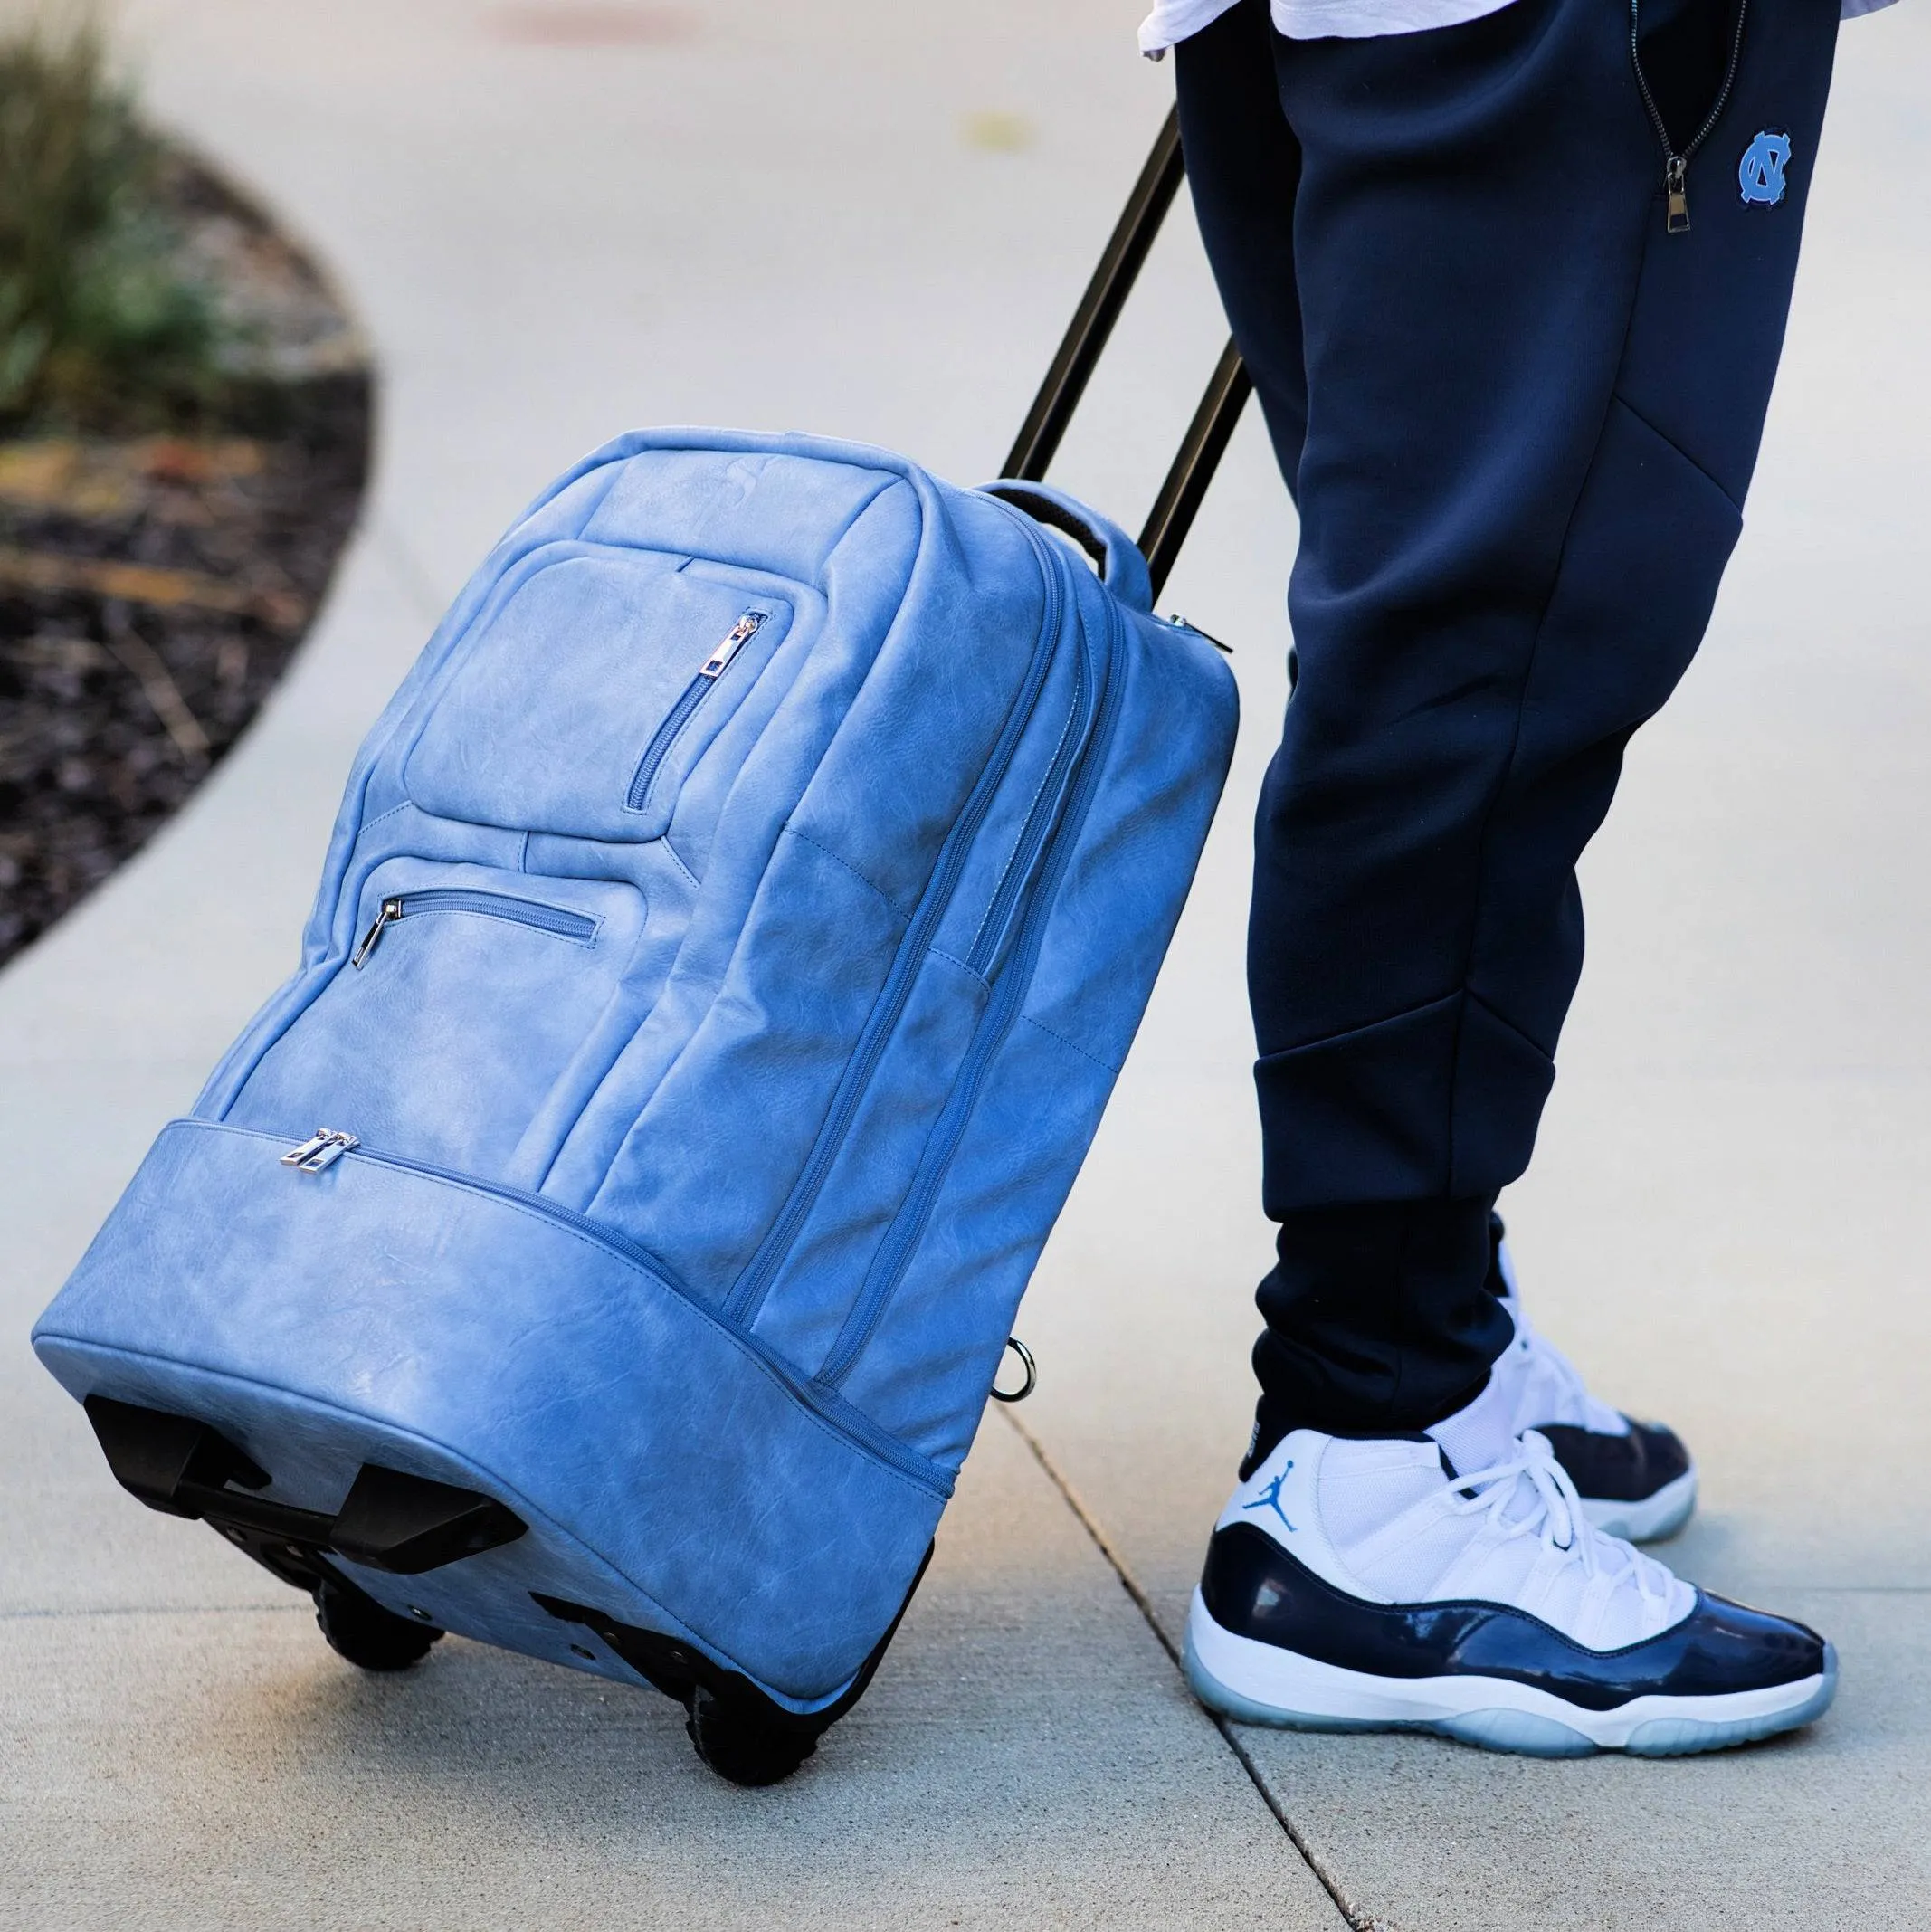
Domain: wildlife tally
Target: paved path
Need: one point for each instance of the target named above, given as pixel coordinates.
(801, 216)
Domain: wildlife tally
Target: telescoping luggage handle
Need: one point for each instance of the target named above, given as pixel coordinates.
(1213, 426)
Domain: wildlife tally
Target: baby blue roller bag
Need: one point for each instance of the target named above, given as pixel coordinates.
(604, 1245)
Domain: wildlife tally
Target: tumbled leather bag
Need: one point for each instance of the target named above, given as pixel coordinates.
(606, 1242)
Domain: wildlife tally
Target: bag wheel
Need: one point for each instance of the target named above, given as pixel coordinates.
(373, 1639)
(739, 1748)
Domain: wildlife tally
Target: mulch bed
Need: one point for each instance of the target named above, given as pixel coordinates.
(153, 588)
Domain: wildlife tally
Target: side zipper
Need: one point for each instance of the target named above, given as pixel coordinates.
(747, 1296)
(985, 947)
(577, 927)
(858, 1428)
(691, 697)
(901, 1239)
(1676, 167)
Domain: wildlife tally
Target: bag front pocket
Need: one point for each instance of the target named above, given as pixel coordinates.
(587, 698)
(665, 741)
(465, 998)
(579, 928)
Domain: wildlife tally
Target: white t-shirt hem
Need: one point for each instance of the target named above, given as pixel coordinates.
(1172, 21)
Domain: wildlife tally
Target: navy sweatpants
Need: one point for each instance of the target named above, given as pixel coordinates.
(1518, 418)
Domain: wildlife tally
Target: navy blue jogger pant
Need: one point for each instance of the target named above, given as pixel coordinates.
(1518, 417)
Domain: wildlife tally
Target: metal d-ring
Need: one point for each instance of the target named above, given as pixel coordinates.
(1032, 1373)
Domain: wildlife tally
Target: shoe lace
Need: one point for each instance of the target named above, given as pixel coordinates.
(1532, 1494)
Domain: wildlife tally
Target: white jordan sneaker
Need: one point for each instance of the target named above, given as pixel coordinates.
(1635, 1480)
(1430, 1583)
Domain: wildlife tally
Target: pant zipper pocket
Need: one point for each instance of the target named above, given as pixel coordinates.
(693, 694)
(579, 928)
(1675, 164)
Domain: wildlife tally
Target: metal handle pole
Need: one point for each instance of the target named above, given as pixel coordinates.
(1106, 295)
(1213, 426)
(1200, 452)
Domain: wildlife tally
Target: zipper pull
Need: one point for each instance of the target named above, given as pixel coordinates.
(391, 908)
(740, 634)
(322, 1149)
(1187, 623)
(1676, 169)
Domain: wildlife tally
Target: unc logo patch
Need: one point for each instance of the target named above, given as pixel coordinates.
(1760, 173)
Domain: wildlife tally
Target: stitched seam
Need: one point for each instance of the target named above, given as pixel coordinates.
(1502, 1019)
(1610, 403)
(1070, 1045)
(368, 824)
(806, 838)
(1012, 858)
(1355, 1032)
(677, 859)
(936, 952)
(1663, 436)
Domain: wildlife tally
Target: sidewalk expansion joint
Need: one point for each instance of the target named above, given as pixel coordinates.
(1359, 1919)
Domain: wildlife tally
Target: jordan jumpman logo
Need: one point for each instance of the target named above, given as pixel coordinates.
(1269, 1498)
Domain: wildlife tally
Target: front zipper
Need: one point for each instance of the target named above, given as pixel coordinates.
(577, 927)
(321, 1150)
(747, 1296)
(328, 1146)
(901, 1241)
(1676, 167)
(693, 694)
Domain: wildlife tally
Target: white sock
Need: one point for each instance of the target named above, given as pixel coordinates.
(1483, 1433)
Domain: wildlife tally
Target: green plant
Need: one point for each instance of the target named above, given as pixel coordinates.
(101, 322)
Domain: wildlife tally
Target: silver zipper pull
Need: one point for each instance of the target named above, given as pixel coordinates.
(338, 1144)
(322, 1149)
(740, 634)
(1676, 184)
(295, 1156)
(391, 908)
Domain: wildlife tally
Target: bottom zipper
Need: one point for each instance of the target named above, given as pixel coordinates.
(327, 1145)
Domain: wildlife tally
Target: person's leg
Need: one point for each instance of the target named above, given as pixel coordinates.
(1522, 422)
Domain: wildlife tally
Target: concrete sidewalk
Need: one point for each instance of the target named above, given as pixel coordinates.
(871, 219)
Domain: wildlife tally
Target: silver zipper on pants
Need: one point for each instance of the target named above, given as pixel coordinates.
(1675, 165)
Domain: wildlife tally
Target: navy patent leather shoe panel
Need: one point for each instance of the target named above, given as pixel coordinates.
(1253, 1588)
(1619, 1469)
